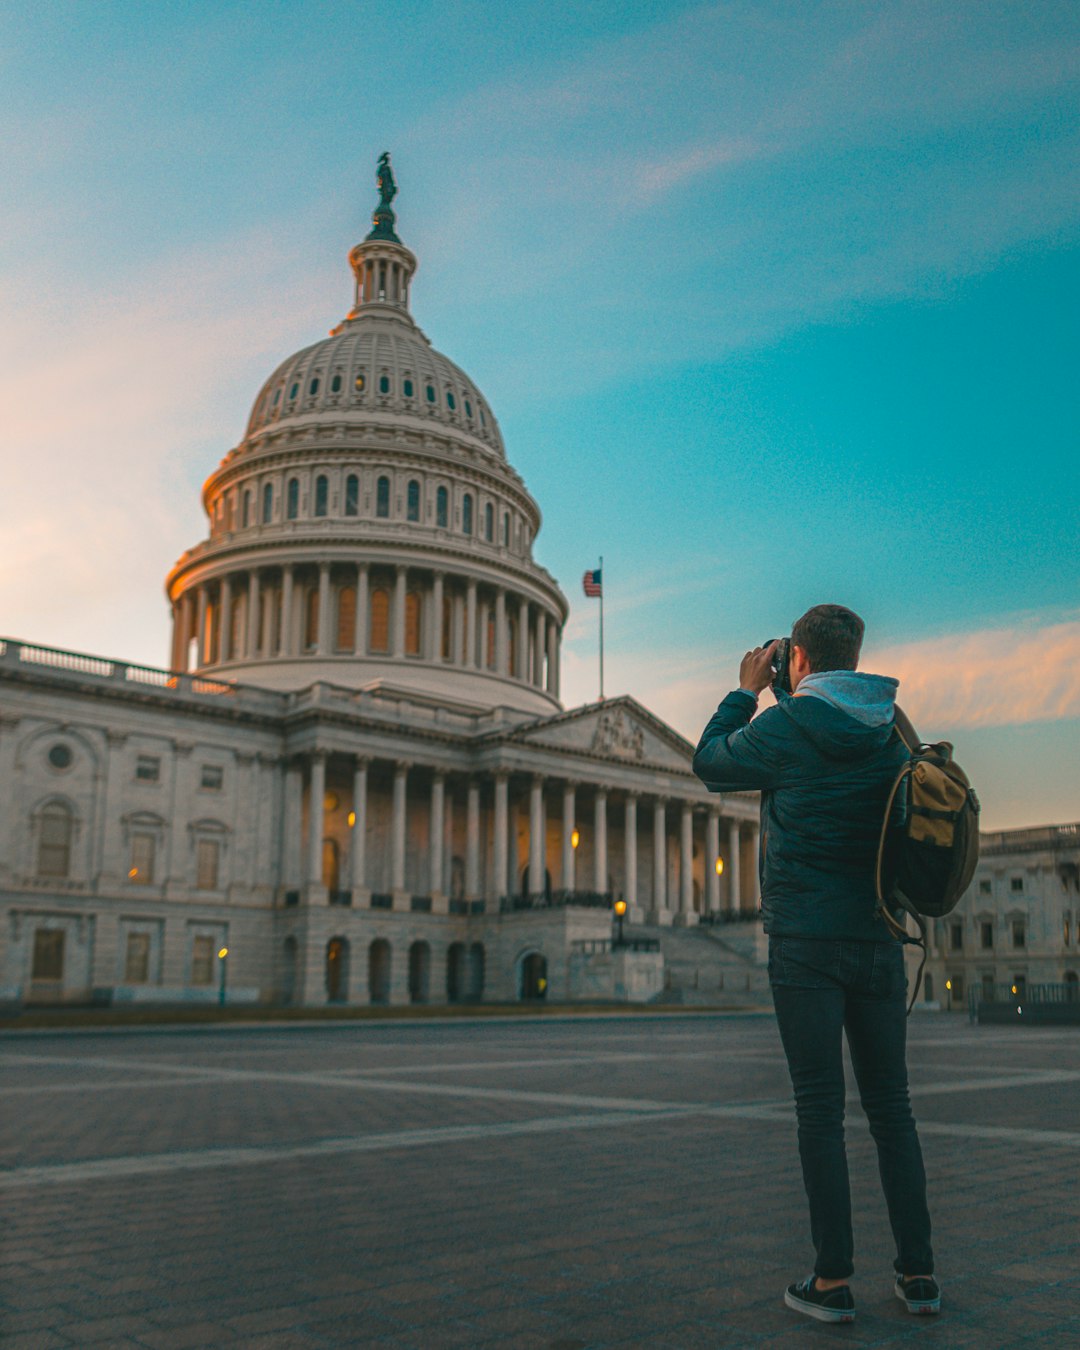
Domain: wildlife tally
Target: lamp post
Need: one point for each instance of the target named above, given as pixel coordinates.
(223, 956)
(620, 910)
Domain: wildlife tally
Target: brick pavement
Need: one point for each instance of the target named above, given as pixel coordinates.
(548, 1185)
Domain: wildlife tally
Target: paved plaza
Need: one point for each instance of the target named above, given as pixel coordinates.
(548, 1184)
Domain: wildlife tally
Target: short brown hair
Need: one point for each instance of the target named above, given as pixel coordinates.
(831, 636)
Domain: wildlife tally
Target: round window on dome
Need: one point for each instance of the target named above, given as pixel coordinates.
(335, 385)
(60, 756)
(384, 384)
(431, 393)
(407, 388)
(313, 387)
(451, 402)
(360, 382)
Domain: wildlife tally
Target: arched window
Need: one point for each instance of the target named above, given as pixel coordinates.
(322, 492)
(382, 497)
(292, 499)
(489, 523)
(430, 391)
(54, 841)
(313, 387)
(489, 645)
(346, 619)
(451, 402)
(442, 508)
(268, 503)
(407, 388)
(412, 510)
(352, 495)
(335, 385)
(384, 384)
(245, 518)
(447, 624)
(413, 610)
(380, 620)
(311, 619)
(466, 513)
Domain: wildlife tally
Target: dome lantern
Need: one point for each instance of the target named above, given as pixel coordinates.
(382, 265)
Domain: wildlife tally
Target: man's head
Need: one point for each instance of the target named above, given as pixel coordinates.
(827, 637)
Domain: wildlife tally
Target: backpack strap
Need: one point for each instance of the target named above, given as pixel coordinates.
(907, 734)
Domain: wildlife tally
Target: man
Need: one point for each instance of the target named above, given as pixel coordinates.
(824, 760)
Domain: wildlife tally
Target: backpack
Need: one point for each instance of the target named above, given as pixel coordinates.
(929, 839)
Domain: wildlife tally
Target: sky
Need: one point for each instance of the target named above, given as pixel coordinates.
(776, 304)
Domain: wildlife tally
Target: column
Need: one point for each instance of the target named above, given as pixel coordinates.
(200, 654)
(600, 875)
(472, 840)
(323, 635)
(397, 828)
(522, 671)
(187, 624)
(734, 868)
(361, 609)
(470, 625)
(316, 794)
(568, 804)
(712, 852)
(500, 882)
(397, 640)
(630, 851)
(224, 640)
(286, 630)
(500, 632)
(483, 610)
(437, 618)
(538, 649)
(438, 825)
(659, 861)
(553, 659)
(292, 844)
(357, 859)
(254, 604)
(686, 865)
(536, 836)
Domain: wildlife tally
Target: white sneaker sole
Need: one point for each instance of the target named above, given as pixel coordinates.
(929, 1307)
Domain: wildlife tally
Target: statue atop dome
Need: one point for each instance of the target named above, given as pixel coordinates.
(383, 217)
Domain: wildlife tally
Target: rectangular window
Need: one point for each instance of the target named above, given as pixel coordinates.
(352, 495)
(1019, 936)
(985, 886)
(206, 857)
(48, 954)
(956, 937)
(955, 985)
(202, 960)
(986, 935)
(137, 959)
(141, 870)
(212, 777)
(988, 986)
(148, 769)
(1016, 884)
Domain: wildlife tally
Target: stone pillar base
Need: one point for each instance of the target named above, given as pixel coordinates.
(316, 895)
(401, 902)
(689, 920)
(660, 917)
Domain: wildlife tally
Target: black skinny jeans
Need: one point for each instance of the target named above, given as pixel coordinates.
(822, 988)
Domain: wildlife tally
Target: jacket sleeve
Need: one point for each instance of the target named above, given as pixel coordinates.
(736, 755)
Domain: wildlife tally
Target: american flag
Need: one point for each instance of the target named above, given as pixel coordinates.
(592, 584)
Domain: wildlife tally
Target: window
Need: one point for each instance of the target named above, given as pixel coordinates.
(1016, 884)
(313, 387)
(352, 495)
(268, 503)
(359, 382)
(54, 841)
(202, 960)
(447, 622)
(483, 419)
(430, 392)
(407, 388)
(489, 523)
(466, 513)
(137, 959)
(442, 508)
(412, 511)
(384, 384)
(1019, 933)
(335, 385)
(412, 623)
(382, 498)
(346, 619)
(141, 870)
(506, 529)
(277, 396)
(1019, 987)
(451, 403)
(512, 644)
(322, 492)
(294, 390)
(311, 619)
(245, 518)
(986, 935)
(148, 769)
(60, 756)
(956, 937)
(985, 886)
(380, 620)
(211, 777)
(207, 854)
(988, 985)
(956, 992)
(48, 962)
(292, 499)
(489, 646)
(468, 408)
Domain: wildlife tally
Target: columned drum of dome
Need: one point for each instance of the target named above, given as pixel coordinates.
(368, 531)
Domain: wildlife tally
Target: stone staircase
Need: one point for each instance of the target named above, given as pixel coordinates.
(706, 967)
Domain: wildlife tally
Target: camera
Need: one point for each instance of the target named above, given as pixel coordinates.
(781, 658)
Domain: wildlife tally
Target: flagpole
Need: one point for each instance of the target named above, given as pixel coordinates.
(601, 628)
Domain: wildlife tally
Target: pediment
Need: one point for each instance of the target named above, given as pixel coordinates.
(620, 730)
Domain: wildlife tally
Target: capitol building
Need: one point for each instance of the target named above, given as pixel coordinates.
(355, 781)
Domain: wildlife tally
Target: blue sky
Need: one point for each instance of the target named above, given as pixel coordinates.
(776, 303)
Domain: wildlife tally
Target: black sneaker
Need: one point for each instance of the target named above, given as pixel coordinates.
(921, 1295)
(827, 1305)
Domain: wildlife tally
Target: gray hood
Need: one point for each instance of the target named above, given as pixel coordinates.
(870, 699)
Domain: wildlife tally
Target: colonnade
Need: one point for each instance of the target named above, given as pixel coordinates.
(509, 849)
(327, 609)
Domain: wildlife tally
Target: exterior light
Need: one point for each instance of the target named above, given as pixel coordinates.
(719, 867)
(1014, 989)
(620, 907)
(575, 839)
(133, 872)
(352, 819)
(948, 984)
(223, 953)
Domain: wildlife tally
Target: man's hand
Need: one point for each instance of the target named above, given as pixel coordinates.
(756, 672)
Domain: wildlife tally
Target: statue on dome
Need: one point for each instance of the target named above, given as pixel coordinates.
(383, 218)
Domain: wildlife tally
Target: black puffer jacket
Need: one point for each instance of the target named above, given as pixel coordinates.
(824, 772)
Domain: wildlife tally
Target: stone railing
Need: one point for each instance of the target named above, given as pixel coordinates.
(1030, 841)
